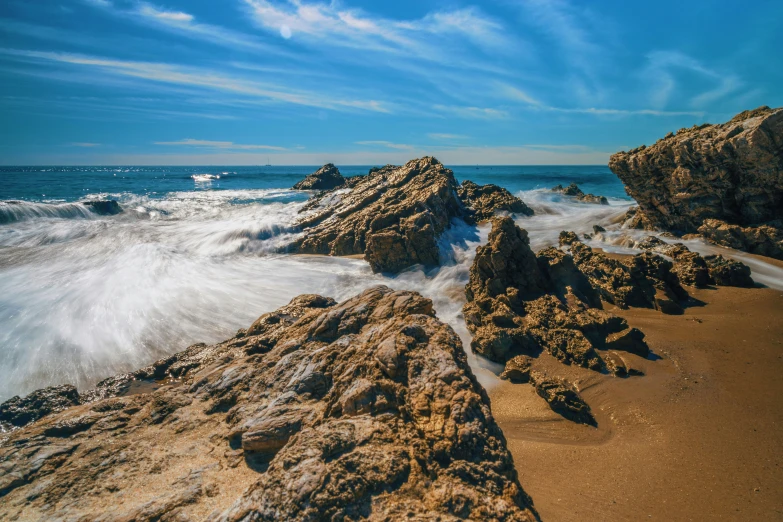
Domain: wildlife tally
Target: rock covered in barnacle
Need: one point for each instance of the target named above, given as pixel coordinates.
(520, 303)
(574, 191)
(486, 200)
(731, 172)
(326, 178)
(394, 216)
(319, 410)
(17, 411)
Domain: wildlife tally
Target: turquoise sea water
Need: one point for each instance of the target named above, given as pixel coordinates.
(68, 184)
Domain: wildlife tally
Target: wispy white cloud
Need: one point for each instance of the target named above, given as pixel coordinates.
(149, 10)
(181, 23)
(481, 113)
(513, 93)
(204, 78)
(330, 24)
(84, 144)
(387, 144)
(662, 73)
(189, 142)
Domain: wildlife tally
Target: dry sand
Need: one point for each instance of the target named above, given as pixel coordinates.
(699, 437)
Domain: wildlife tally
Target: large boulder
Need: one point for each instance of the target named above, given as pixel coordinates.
(486, 200)
(365, 409)
(394, 216)
(326, 178)
(732, 172)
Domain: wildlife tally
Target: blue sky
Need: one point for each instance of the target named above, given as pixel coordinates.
(307, 82)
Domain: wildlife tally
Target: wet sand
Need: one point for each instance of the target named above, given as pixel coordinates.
(699, 437)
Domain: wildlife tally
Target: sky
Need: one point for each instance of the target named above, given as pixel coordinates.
(305, 82)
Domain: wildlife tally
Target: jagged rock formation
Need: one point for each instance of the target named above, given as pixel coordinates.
(728, 272)
(694, 270)
(395, 215)
(731, 172)
(365, 409)
(17, 411)
(326, 178)
(765, 240)
(574, 191)
(486, 200)
(520, 303)
(645, 281)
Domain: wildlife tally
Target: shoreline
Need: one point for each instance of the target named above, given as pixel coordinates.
(696, 437)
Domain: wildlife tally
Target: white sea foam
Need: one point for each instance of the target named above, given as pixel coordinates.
(82, 299)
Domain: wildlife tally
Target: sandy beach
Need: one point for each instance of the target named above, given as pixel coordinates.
(697, 438)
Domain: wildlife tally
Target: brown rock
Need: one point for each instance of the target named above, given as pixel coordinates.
(517, 369)
(363, 409)
(486, 200)
(764, 240)
(326, 178)
(394, 216)
(562, 398)
(731, 172)
(728, 272)
(574, 190)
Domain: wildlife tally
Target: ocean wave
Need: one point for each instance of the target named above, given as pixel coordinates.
(15, 211)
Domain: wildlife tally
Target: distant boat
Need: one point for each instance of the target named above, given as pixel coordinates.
(267, 162)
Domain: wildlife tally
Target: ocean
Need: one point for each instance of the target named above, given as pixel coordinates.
(195, 255)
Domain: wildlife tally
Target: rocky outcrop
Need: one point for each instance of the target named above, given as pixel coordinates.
(486, 200)
(365, 409)
(728, 272)
(326, 178)
(645, 280)
(394, 216)
(694, 270)
(573, 190)
(520, 303)
(731, 172)
(765, 240)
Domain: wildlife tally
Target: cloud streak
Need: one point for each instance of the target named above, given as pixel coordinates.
(203, 78)
(190, 142)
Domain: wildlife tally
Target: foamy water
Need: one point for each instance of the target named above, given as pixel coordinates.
(84, 296)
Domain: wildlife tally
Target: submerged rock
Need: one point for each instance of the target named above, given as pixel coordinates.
(108, 207)
(365, 409)
(394, 216)
(731, 172)
(574, 191)
(326, 178)
(486, 200)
